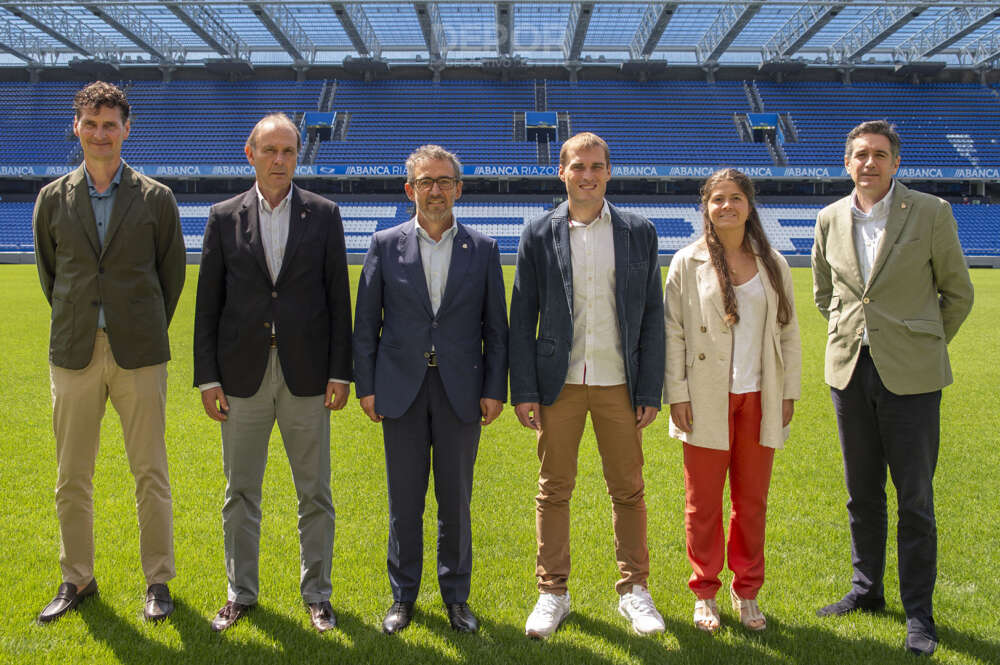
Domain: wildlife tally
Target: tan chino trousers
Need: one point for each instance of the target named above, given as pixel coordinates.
(79, 399)
(620, 445)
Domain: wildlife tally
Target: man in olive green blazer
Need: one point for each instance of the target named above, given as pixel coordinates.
(111, 261)
(890, 276)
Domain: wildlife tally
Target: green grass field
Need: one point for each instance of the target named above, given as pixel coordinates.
(808, 553)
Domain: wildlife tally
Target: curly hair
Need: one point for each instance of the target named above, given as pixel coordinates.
(98, 94)
(754, 241)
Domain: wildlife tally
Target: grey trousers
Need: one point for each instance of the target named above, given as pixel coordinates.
(304, 424)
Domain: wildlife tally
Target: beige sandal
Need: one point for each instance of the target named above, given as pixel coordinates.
(749, 611)
(706, 615)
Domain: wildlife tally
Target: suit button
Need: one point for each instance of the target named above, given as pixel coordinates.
(267, 324)
(434, 324)
(274, 294)
(866, 300)
(861, 332)
(701, 356)
(704, 329)
(100, 270)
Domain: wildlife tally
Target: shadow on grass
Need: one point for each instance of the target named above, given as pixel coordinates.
(431, 640)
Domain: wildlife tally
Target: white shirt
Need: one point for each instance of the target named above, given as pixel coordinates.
(274, 229)
(596, 356)
(748, 336)
(869, 227)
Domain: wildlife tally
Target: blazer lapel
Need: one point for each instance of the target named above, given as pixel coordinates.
(899, 211)
(620, 239)
(298, 218)
(461, 259)
(127, 193)
(84, 210)
(560, 241)
(250, 230)
(409, 249)
(843, 233)
(708, 282)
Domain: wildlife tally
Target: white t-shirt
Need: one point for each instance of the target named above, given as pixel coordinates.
(748, 336)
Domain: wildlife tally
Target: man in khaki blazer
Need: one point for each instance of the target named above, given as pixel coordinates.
(889, 274)
(111, 261)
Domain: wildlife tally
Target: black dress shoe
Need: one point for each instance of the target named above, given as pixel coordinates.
(67, 598)
(461, 618)
(323, 618)
(229, 614)
(159, 604)
(921, 636)
(398, 617)
(850, 603)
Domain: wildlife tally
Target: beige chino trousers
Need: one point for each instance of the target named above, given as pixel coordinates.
(79, 399)
(620, 446)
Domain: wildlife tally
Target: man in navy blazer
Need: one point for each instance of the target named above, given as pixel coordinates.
(587, 335)
(430, 362)
(272, 343)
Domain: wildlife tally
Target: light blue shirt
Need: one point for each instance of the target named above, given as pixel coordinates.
(102, 205)
(436, 259)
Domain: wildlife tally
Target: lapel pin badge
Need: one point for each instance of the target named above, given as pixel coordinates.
(902, 205)
(465, 245)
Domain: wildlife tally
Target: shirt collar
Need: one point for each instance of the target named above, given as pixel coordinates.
(115, 181)
(605, 216)
(879, 210)
(448, 233)
(265, 206)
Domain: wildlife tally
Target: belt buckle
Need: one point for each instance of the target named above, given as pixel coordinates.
(274, 341)
(432, 359)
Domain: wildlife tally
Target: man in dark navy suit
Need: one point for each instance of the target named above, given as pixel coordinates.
(272, 343)
(430, 340)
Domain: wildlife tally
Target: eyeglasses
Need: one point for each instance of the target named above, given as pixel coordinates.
(444, 183)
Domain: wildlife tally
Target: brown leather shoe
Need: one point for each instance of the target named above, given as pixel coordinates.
(67, 598)
(229, 614)
(323, 618)
(159, 604)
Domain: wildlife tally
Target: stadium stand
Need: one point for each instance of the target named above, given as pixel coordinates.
(789, 226)
(942, 125)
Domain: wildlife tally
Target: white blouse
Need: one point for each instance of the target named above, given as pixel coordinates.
(748, 336)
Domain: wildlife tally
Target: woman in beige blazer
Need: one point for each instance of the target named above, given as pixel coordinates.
(733, 367)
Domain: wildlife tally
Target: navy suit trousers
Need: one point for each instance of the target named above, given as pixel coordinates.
(879, 429)
(430, 434)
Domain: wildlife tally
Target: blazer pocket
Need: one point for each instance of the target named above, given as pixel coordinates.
(545, 346)
(925, 327)
(834, 311)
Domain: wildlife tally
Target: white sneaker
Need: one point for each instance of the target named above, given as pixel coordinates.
(637, 606)
(550, 611)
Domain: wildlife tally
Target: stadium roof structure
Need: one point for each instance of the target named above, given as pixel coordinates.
(773, 35)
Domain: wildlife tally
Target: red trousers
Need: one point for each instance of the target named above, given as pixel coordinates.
(749, 466)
